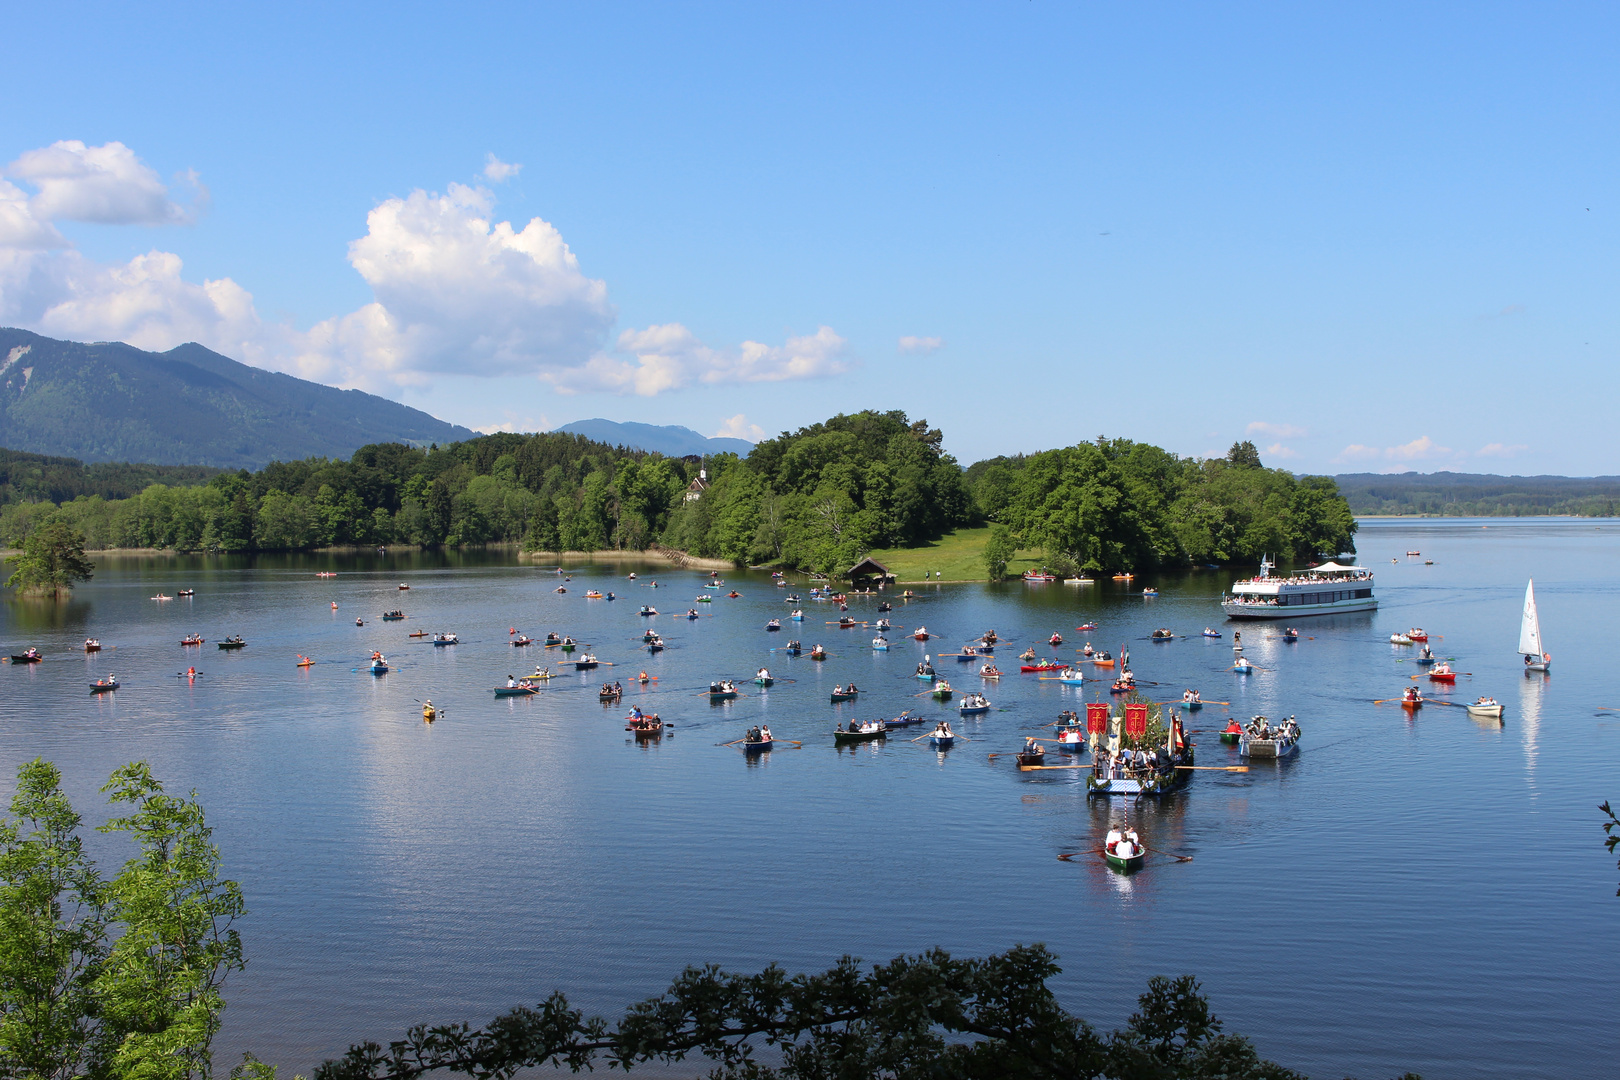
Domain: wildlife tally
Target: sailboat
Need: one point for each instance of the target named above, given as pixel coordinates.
(1530, 644)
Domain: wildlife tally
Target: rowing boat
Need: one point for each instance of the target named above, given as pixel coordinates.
(864, 733)
(515, 691)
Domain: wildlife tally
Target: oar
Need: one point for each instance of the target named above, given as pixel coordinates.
(1216, 768)
(1180, 858)
(733, 742)
(1069, 856)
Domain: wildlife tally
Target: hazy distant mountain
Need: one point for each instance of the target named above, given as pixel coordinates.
(187, 406)
(1449, 494)
(671, 441)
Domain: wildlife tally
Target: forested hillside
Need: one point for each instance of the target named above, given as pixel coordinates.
(36, 477)
(1448, 494)
(815, 499)
(108, 401)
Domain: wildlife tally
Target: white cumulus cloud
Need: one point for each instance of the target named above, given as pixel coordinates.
(1501, 450)
(670, 357)
(922, 345)
(497, 171)
(738, 427)
(1422, 448)
(454, 292)
(1278, 450)
(1279, 431)
(104, 184)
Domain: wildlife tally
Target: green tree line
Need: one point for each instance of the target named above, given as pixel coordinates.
(1120, 505)
(814, 499)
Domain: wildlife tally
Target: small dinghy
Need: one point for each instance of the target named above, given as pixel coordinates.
(818, 653)
(844, 693)
(515, 690)
(885, 606)
(1071, 739)
(393, 616)
(881, 644)
(1487, 708)
(194, 639)
(797, 616)
(1290, 634)
(1191, 700)
(568, 644)
(757, 741)
(645, 727)
(857, 732)
(186, 592)
(972, 705)
(440, 640)
(1417, 633)
(1443, 673)
(655, 644)
(1400, 639)
(233, 643)
(379, 664)
(1032, 756)
(942, 737)
(920, 634)
(92, 645)
(1123, 850)
(1211, 633)
(763, 677)
(1412, 698)
(966, 656)
(522, 642)
(404, 587)
(1055, 640)
(925, 670)
(1161, 634)
(647, 609)
(584, 662)
(722, 690)
(610, 692)
(774, 625)
(102, 686)
(989, 671)
(792, 648)
(905, 719)
(1233, 732)
(1071, 677)
(552, 640)
(1241, 666)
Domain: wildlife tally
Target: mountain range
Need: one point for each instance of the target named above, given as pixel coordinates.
(671, 441)
(108, 401)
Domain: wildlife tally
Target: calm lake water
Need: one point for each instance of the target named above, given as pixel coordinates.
(1426, 893)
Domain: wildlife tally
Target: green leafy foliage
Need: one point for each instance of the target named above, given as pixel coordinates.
(112, 978)
(51, 560)
(930, 1016)
(1121, 505)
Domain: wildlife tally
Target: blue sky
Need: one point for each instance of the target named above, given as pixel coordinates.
(1369, 238)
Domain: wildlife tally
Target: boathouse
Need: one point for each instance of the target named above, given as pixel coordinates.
(869, 573)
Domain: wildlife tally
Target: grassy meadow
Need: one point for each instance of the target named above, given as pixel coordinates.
(956, 556)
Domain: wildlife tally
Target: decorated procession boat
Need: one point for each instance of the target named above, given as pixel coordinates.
(1322, 590)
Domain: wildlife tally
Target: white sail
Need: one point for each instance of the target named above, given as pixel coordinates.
(1530, 627)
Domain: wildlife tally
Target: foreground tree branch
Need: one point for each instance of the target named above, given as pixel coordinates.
(919, 1016)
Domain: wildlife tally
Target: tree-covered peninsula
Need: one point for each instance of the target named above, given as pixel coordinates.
(815, 499)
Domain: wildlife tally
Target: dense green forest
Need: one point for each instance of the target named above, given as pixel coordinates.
(1116, 504)
(38, 478)
(1448, 494)
(815, 499)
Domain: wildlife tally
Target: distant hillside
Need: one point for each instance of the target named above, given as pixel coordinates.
(187, 406)
(1449, 494)
(37, 478)
(671, 441)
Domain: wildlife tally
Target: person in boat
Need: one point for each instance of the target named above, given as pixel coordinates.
(764, 734)
(191, 673)
(511, 681)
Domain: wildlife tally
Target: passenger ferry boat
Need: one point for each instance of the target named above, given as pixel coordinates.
(1321, 590)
